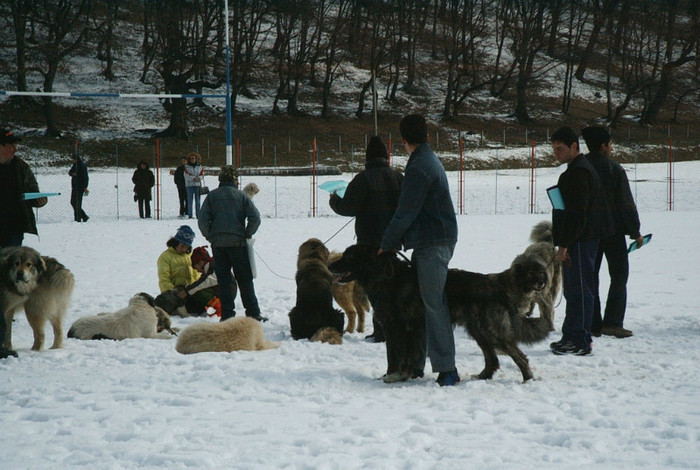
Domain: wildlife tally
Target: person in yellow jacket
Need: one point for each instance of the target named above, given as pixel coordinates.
(174, 264)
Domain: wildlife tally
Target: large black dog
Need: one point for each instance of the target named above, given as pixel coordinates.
(492, 308)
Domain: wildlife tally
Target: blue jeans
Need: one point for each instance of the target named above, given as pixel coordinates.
(579, 292)
(431, 265)
(236, 258)
(193, 200)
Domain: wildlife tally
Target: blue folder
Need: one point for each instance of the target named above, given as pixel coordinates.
(555, 198)
(335, 186)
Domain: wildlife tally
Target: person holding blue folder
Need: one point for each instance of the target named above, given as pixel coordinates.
(16, 178)
(614, 247)
(577, 230)
(371, 197)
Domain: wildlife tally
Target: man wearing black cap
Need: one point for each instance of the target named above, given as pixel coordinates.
(16, 178)
(16, 215)
(614, 247)
(371, 197)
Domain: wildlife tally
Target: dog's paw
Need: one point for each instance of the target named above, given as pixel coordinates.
(396, 377)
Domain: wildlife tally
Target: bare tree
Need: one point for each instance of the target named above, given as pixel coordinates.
(527, 40)
(330, 49)
(62, 28)
(181, 38)
(601, 10)
(463, 34)
(680, 46)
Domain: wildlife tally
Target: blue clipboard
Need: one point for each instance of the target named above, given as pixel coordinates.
(635, 246)
(28, 196)
(335, 186)
(555, 198)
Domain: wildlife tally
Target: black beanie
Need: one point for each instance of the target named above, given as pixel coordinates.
(376, 148)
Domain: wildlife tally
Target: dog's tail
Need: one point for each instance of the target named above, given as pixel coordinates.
(58, 276)
(542, 232)
(529, 330)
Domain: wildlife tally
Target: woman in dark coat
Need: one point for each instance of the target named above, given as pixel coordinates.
(143, 180)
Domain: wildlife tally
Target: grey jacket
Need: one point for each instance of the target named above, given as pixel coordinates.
(223, 216)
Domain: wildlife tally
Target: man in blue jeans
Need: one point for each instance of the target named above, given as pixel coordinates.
(228, 218)
(425, 222)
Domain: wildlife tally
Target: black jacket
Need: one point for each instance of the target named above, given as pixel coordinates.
(625, 218)
(79, 175)
(16, 178)
(143, 180)
(371, 197)
(586, 215)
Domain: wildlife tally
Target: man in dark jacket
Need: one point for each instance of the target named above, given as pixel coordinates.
(371, 197)
(577, 230)
(625, 222)
(16, 178)
(425, 222)
(79, 187)
(16, 214)
(228, 218)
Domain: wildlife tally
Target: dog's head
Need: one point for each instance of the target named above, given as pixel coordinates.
(21, 268)
(313, 248)
(251, 189)
(142, 296)
(530, 275)
(164, 322)
(361, 263)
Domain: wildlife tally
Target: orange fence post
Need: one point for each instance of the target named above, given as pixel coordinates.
(313, 179)
(670, 174)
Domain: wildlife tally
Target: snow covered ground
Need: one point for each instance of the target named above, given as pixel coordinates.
(635, 403)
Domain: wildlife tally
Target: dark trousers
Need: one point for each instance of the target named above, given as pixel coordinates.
(182, 194)
(10, 237)
(614, 249)
(236, 258)
(144, 208)
(579, 292)
(76, 200)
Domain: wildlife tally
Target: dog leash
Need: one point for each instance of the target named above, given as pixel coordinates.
(339, 230)
(268, 267)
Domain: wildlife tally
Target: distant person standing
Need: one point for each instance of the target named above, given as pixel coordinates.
(625, 222)
(16, 178)
(143, 180)
(577, 230)
(371, 197)
(425, 221)
(79, 187)
(228, 219)
(193, 171)
(181, 188)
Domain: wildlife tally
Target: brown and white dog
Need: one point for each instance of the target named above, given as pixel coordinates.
(38, 284)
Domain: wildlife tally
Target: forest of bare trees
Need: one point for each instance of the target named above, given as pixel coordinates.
(641, 52)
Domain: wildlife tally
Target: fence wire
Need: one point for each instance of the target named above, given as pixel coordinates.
(496, 191)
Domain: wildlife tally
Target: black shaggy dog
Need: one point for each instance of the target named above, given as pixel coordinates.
(492, 308)
(314, 306)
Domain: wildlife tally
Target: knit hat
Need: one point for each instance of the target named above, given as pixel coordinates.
(228, 173)
(376, 148)
(184, 235)
(595, 136)
(7, 137)
(200, 254)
